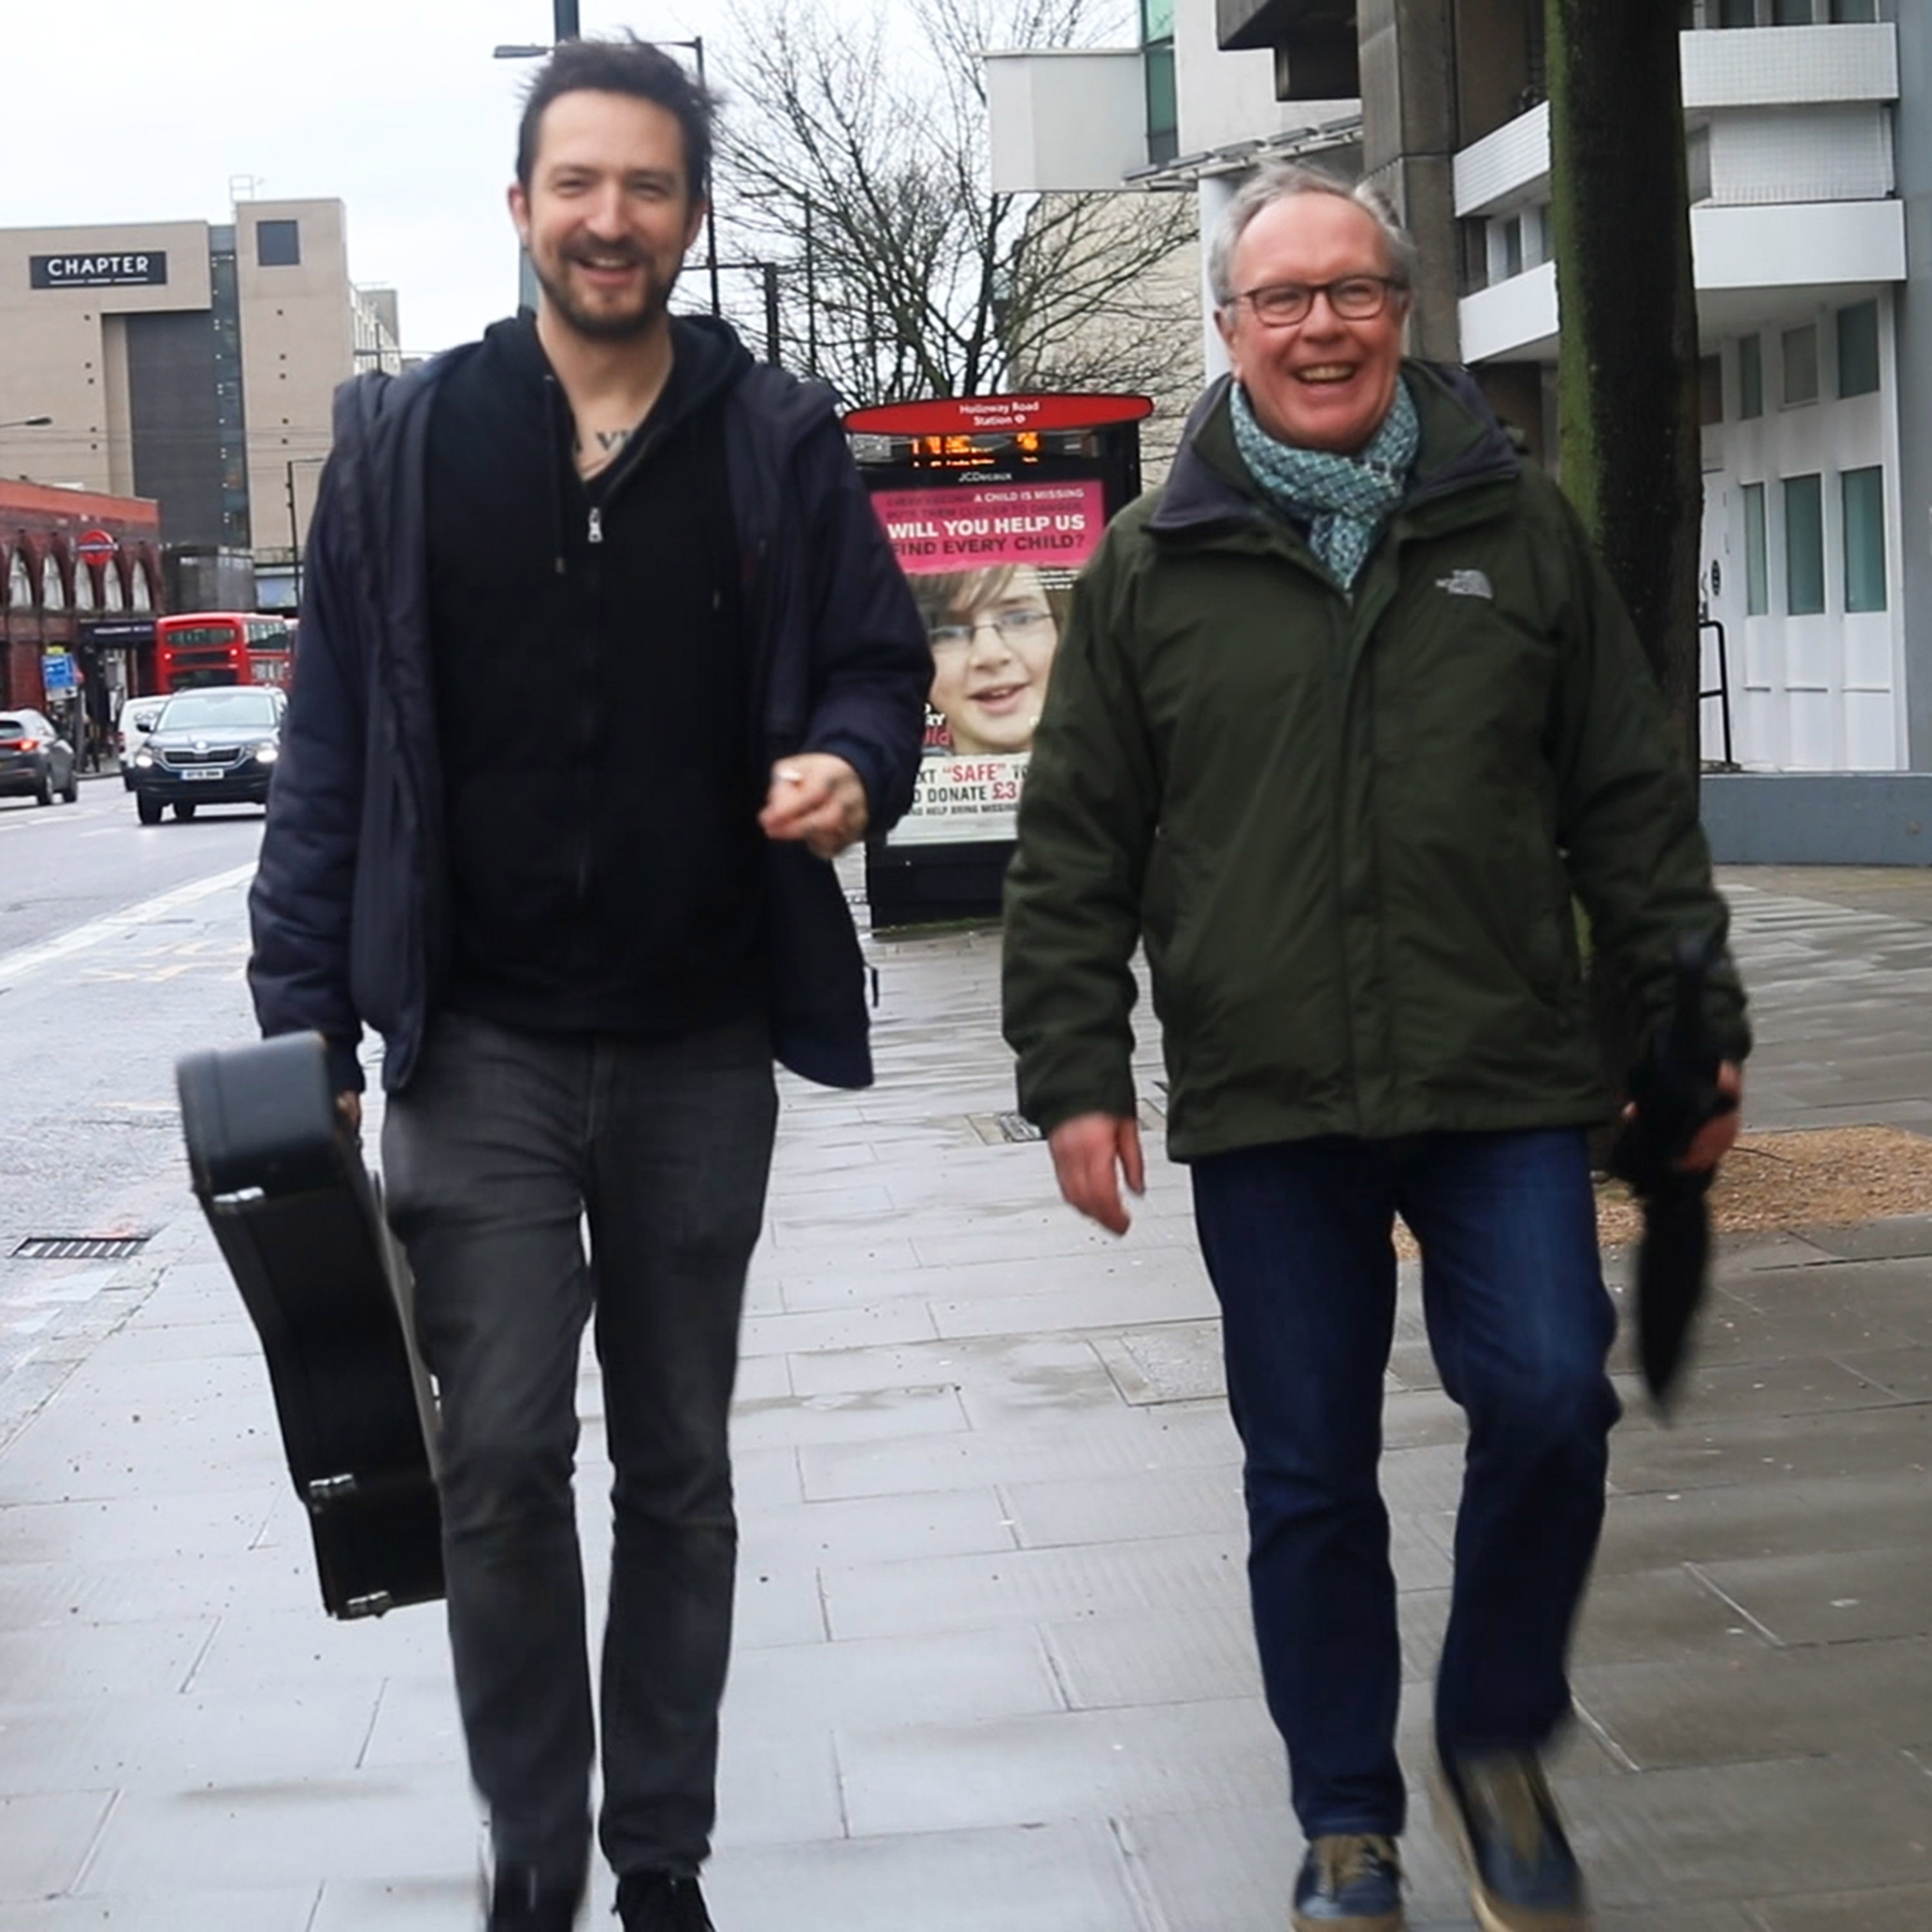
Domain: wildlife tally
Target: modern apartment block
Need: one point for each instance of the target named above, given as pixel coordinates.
(190, 363)
(1798, 237)
(1809, 134)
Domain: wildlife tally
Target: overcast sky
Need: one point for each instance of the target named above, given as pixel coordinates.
(145, 108)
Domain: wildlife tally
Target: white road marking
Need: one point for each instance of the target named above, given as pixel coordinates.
(20, 821)
(19, 816)
(15, 966)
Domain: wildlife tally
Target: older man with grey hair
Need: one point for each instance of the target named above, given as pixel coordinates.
(1342, 718)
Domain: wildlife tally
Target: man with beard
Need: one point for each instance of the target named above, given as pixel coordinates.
(603, 656)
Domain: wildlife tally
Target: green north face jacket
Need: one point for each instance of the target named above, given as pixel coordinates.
(1347, 831)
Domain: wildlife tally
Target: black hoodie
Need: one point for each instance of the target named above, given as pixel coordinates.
(592, 686)
(350, 908)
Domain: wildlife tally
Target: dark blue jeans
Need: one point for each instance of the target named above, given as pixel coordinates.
(502, 1146)
(1297, 1241)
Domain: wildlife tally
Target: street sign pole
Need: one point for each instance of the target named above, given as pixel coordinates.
(57, 683)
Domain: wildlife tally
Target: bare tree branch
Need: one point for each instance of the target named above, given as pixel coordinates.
(855, 154)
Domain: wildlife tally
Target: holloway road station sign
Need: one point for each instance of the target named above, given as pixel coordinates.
(145, 268)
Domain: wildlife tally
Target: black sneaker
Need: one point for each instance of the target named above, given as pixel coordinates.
(523, 1899)
(1349, 1882)
(1496, 1811)
(659, 1902)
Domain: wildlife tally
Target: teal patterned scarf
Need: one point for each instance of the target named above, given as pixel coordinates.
(1344, 500)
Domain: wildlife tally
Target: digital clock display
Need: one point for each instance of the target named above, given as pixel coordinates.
(972, 452)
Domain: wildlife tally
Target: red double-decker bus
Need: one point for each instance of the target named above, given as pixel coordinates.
(206, 647)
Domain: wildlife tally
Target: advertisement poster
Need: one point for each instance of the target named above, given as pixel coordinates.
(991, 566)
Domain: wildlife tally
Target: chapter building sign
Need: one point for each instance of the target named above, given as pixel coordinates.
(144, 268)
(991, 566)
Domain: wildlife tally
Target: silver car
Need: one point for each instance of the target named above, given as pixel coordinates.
(35, 760)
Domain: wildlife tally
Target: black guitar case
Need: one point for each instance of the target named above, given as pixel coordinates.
(279, 1173)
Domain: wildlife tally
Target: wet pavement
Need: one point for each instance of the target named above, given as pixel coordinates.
(993, 1663)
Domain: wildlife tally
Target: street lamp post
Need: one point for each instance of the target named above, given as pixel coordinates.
(696, 44)
(566, 15)
(295, 524)
(29, 422)
(768, 272)
(811, 298)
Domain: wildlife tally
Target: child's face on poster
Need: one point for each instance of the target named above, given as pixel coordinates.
(993, 642)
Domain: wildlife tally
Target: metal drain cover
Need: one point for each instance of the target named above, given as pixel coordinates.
(80, 1247)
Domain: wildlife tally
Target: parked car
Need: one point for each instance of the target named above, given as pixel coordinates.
(35, 759)
(137, 720)
(215, 745)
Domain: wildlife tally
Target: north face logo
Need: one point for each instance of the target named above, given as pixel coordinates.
(1467, 584)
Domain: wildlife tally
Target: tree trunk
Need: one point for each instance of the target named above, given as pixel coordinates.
(1627, 372)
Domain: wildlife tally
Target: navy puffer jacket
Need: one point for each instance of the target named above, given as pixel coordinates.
(349, 909)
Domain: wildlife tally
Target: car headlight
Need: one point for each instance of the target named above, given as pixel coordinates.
(267, 754)
(142, 759)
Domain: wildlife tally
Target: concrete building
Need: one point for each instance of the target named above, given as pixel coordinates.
(1174, 114)
(1809, 126)
(192, 364)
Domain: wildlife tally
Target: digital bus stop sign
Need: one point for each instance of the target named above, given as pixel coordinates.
(992, 505)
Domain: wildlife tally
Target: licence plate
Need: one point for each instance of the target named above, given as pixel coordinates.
(203, 772)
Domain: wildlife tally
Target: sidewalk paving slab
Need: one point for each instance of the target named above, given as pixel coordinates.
(993, 1665)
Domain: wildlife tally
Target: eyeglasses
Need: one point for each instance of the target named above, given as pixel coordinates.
(1354, 298)
(1014, 626)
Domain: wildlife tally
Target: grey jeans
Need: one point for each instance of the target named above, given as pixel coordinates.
(504, 1144)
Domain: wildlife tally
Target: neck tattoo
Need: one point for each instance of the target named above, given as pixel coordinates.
(602, 446)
